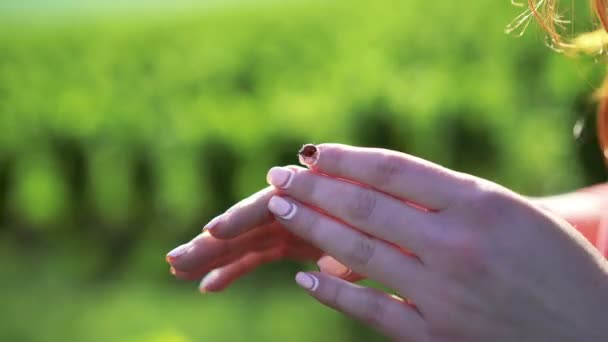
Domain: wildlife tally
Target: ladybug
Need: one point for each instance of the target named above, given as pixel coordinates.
(308, 154)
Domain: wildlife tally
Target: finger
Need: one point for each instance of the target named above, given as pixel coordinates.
(220, 278)
(205, 248)
(399, 174)
(366, 209)
(333, 267)
(198, 273)
(211, 264)
(207, 269)
(389, 315)
(293, 249)
(243, 216)
(364, 254)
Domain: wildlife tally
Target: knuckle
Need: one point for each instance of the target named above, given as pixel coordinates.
(362, 205)
(337, 297)
(484, 194)
(485, 205)
(362, 251)
(389, 168)
(335, 155)
(374, 312)
(341, 298)
(309, 228)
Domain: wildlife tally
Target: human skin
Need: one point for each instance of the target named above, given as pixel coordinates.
(585, 209)
(482, 263)
(234, 251)
(249, 237)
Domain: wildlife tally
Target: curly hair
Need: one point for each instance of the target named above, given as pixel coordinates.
(546, 13)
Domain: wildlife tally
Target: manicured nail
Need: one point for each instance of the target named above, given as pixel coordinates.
(307, 281)
(280, 177)
(213, 223)
(172, 270)
(282, 208)
(178, 252)
(209, 279)
(330, 265)
(309, 155)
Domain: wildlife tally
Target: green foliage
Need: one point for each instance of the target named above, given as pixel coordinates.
(123, 134)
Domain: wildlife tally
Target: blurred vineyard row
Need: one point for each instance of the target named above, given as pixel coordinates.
(109, 124)
(113, 125)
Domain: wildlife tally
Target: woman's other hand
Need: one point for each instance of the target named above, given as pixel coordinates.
(240, 240)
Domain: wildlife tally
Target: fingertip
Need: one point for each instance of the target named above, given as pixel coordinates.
(282, 208)
(307, 281)
(209, 280)
(214, 223)
(177, 252)
(280, 177)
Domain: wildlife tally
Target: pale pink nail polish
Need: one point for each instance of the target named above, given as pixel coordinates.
(178, 252)
(209, 279)
(307, 281)
(282, 208)
(281, 177)
(214, 222)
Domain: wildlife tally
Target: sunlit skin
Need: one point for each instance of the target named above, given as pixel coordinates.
(249, 237)
(487, 264)
(582, 209)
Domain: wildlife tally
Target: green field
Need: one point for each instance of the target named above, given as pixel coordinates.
(124, 128)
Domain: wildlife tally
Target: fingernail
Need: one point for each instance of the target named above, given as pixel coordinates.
(330, 265)
(172, 270)
(308, 155)
(213, 223)
(178, 252)
(280, 177)
(210, 278)
(282, 208)
(307, 281)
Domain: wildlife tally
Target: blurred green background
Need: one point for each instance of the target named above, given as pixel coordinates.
(126, 126)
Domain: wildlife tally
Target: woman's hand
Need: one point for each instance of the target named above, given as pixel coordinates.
(584, 209)
(483, 263)
(249, 237)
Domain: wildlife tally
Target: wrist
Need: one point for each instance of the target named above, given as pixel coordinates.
(583, 209)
